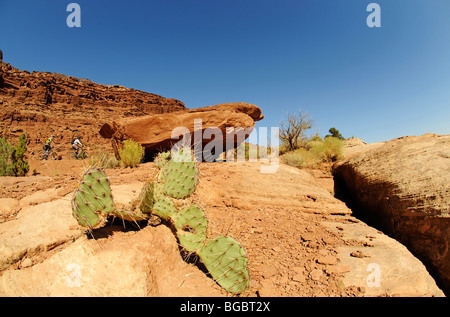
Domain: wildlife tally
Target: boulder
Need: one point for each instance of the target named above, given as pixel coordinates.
(233, 122)
(402, 187)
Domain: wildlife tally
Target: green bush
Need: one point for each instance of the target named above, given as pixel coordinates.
(12, 159)
(335, 134)
(131, 153)
(5, 156)
(315, 153)
(295, 159)
(333, 149)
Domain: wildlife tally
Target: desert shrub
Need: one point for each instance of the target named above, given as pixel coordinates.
(5, 156)
(19, 164)
(314, 153)
(252, 151)
(328, 150)
(104, 161)
(292, 131)
(131, 153)
(12, 159)
(335, 134)
(295, 159)
(333, 149)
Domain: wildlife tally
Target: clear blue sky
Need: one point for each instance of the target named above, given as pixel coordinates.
(317, 55)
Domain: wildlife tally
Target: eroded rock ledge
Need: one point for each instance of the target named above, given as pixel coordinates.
(154, 132)
(402, 187)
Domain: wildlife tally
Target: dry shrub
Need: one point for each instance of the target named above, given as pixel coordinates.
(131, 153)
(315, 153)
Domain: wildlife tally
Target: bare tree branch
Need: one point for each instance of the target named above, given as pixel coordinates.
(292, 131)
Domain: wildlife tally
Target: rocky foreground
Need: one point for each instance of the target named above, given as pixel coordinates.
(300, 240)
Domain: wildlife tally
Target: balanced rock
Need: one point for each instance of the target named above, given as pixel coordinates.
(402, 187)
(225, 125)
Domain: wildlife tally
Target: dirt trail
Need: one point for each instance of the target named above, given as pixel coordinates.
(294, 231)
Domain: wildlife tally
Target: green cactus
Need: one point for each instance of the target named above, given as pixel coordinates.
(224, 257)
(180, 179)
(162, 159)
(191, 225)
(164, 207)
(147, 198)
(226, 261)
(130, 215)
(93, 201)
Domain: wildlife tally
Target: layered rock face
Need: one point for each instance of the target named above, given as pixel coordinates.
(43, 103)
(402, 186)
(221, 126)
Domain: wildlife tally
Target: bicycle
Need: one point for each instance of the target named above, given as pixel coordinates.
(50, 153)
(82, 154)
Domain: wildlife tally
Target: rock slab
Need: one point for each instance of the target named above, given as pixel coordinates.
(402, 187)
(219, 124)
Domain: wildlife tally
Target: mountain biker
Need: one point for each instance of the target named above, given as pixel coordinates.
(77, 145)
(48, 144)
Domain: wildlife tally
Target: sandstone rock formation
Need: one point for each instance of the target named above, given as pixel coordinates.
(43, 103)
(402, 186)
(154, 132)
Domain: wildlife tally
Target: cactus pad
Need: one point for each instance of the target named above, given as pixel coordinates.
(92, 201)
(180, 179)
(191, 225)
(162, 159)
(226, 261)
(164, 207)
(146, 198)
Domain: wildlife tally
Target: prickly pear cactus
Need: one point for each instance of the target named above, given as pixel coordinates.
(93, 201)
(180, 179)
(147, 198)
(164, 207)
(226, 261)
(162, 159)
(191, 225)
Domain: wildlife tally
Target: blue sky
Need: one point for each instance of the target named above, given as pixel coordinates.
(281, 55)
